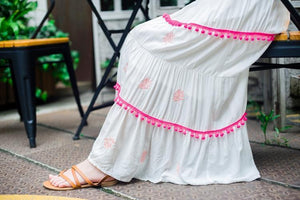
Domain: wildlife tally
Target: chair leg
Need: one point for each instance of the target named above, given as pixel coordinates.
(69, 63)
(16, 95)
(25, 85)
(95, 96)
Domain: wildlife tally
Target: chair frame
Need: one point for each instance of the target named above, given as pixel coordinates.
(22, 63)
(108, 33)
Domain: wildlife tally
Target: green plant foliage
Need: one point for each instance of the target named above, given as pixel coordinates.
(5, 75)
(265, 120)
(59, 69)
(279, 139)
(105, 63)
(49, 30)
(39, 94)
(53, 61)
(13, 19)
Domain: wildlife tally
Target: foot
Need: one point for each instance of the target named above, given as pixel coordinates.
(90, 171)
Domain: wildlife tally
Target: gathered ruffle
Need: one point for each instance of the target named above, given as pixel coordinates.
(221, 33)
(177, 127)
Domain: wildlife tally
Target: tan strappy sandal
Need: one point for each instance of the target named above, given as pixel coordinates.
(102, 183)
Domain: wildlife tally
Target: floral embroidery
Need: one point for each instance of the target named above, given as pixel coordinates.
(143, 157)
(178, 95)
(169, 37)
(108, 143)
(126, 67)
(178, 168)
(145, 84)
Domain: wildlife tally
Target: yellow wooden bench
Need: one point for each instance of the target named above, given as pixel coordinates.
(291, 35)
(32, 42)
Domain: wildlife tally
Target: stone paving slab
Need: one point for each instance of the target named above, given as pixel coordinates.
(19, 176)
(13, 138)
(252, 190)
(69, 120)
(56, 149)
(63, 157)
(276, 163)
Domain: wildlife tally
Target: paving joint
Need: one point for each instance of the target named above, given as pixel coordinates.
(43, 165)
(274, 145)
(64, 130)
(279, 183)
(117, 193)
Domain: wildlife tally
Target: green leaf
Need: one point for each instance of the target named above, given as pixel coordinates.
(105, 64)
(5, 3)
(15, 28)
(45, 66)
(10, 82)
(275, 117)
(32, 5)
(44, 96)
(76, 60)
(1, 20)
(38, 92)
(285, 128)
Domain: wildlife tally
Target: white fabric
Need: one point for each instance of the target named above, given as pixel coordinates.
(210, 73)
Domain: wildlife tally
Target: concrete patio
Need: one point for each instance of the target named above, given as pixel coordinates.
(23, 170)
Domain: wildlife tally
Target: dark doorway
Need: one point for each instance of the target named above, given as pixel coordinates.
(75, 18)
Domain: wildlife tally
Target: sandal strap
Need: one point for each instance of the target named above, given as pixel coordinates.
(82, 175)
(103, 180)
(75, 178)
(61, 174)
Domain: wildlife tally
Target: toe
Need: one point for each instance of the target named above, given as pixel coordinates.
(52, 179)
(62, 185)
(55, 181)
(51, 176)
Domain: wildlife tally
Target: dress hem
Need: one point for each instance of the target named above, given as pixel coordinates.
(177, 127)
(173, 180)
(221, 33)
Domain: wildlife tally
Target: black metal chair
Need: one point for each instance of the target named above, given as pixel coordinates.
(108, 33)
(23, 55)
(285, 48)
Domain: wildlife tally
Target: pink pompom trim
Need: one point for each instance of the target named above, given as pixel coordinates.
(177, 127)
(221, 33)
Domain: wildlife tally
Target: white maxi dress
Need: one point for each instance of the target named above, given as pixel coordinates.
(179, 112)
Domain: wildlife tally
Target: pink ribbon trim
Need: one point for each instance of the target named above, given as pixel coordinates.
(176, 127)
(221, 33)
